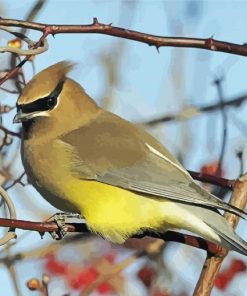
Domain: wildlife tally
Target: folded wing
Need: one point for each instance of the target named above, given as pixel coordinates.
(117, 152)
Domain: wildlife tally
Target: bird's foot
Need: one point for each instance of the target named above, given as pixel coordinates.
(61, 219)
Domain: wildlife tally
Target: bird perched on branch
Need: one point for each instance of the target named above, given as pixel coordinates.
(86, 160)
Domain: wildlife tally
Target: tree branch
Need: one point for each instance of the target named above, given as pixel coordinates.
(51, 227)
(152, 40)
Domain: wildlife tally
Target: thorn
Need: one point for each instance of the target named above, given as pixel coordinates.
(95, 21)
(157, 47)
(41, 235)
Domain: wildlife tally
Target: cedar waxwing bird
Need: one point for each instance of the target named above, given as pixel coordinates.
(86, 160)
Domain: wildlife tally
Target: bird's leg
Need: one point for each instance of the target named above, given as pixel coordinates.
(61, 219)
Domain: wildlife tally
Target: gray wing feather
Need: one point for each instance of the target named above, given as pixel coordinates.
(152, 178)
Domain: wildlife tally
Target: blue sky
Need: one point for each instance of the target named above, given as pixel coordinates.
(147, 85)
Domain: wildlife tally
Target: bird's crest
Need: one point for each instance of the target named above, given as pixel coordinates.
(45, 82)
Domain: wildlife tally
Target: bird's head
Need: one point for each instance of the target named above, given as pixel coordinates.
(50, 94)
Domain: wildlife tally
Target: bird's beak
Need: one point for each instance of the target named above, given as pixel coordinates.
(21, 116)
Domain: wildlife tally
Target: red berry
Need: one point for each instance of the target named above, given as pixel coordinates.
(55, 267)
(86, 277)
(146, 275)
(104, 288)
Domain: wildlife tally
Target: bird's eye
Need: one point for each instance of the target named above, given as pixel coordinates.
(51, 102)
(43, 104)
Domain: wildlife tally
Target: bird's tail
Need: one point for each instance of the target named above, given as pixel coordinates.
(217, 230)
(230, 240)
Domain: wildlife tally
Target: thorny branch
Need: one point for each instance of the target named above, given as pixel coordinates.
(108, 29)
(100, 28)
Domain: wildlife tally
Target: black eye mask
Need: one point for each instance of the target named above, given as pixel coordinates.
(42, 104)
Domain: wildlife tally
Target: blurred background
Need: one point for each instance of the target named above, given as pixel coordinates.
(135, 81)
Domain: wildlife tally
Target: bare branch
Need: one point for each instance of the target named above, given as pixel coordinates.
(152, 40)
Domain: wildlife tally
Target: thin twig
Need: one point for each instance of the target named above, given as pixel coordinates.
(193, 111)
(45, 282)
(218, 83)
(17, 34)
(8, 132)
(215, 180)
(34, 10)
(14, 278)
(12, 213)
(9, 90)
(26, 52)
(14, 71)
(16, 181)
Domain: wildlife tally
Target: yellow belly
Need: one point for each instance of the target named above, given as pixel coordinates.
(115, 213)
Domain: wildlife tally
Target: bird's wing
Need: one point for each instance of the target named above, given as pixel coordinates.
(125, 156)
(151, 177)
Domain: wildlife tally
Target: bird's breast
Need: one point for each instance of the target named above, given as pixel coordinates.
(48, 169)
